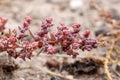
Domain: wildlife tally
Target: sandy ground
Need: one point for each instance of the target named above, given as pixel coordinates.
(61, 12)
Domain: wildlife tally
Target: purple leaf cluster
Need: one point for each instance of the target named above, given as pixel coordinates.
(65, 39)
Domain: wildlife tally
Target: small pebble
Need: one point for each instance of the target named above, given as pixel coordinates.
(118, 67)
(76, 4)
(102, 31)
(53, 78)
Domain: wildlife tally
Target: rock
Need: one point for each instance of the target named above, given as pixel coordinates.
(115, 14)
(52, 63)
(76, 4)
(3, 61)
(116, 69)
(53, 78)
(83, 66)
(102, 31)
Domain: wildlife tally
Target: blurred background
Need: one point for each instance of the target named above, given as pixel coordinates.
(62, 11)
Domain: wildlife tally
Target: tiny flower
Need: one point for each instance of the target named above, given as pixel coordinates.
(62, 27)
(22, 56)
(86, 33)
(69, 52)
(12, 39)
(25, 25)
(33, 45)
(76, 28)
(75, 45)
(50, 49)
(74, 55)
(28, 19)
(49, 20)
(3, 21)
(28, 55)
